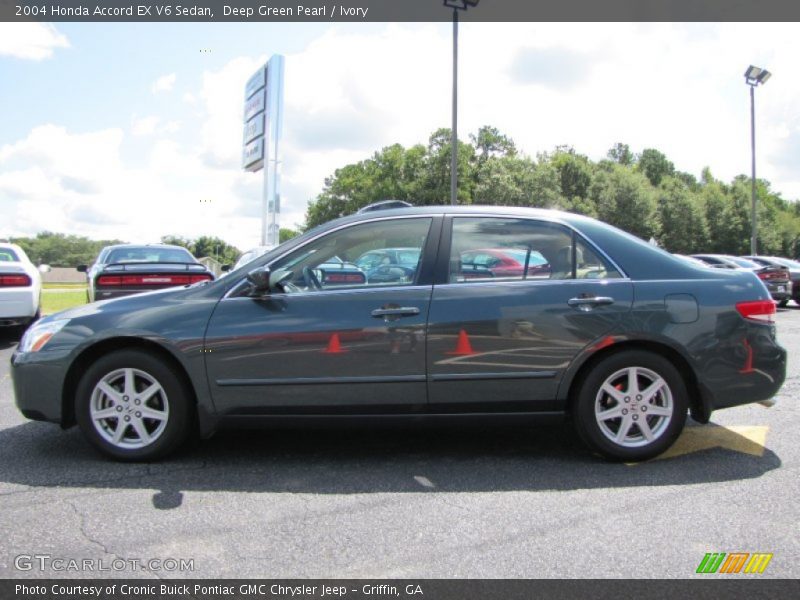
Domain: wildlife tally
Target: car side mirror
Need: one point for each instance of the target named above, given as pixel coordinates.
(259, 279)
(82, 268)
(226, 268)
(44, 268)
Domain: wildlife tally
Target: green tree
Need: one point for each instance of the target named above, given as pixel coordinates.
(286, 234)
(625, 198)
(60, 250)
(621, 154)
(206, 246)
(654, 165)
(682, 217)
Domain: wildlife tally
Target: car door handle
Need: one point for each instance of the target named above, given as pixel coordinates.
(400, 311)
(589, 302)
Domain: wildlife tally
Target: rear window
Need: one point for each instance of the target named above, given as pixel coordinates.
(8, 255)
(149, 255)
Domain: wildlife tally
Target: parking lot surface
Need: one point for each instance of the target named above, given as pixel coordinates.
(510, 502)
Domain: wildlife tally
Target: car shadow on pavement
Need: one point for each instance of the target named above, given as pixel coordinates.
(9, 336)
(359, 461)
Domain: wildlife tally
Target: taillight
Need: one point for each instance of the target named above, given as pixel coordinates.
(165, 280)
(771, 275)
(15, 280)
(757, 310)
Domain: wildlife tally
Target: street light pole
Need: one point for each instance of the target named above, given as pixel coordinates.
(454, 138)
(456, 5)
(754, 76)
(753, 215)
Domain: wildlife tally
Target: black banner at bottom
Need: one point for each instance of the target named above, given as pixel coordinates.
(384, 589)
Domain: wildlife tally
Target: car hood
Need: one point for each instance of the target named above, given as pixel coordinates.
(112, 310)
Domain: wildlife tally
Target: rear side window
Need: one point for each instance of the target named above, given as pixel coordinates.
(501, 249)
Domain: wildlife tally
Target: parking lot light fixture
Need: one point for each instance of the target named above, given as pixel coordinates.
(753, 77)
(456, 5)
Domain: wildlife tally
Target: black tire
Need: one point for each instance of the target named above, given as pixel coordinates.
(615, 369)
(783, 303)
(173, 402)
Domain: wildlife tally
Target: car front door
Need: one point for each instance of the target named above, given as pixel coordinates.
(502, 342)
(328, 341)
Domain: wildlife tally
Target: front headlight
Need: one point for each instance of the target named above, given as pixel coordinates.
(39, 334)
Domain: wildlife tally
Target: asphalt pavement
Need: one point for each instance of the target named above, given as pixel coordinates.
(521, 502)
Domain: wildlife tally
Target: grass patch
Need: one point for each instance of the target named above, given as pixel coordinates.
(55, 301)
(64, 286)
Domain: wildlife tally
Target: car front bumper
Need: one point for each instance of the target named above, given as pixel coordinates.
(38, 384)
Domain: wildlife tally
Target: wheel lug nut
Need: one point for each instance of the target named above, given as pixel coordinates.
(639, 397)
(635, 417)
(627, 398)
(119, 409)
(127, 418)
(644, 409)
(138, 415)
(125, 398)
(624, 411)
(137, 402)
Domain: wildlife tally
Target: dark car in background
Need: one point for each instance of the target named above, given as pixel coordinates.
(779, 261)
(127, 269)
(775, 277)
(620, 336)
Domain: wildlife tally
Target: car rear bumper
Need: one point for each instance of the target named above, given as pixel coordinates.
(38, 386)
(18, 306)
(779, 290)
(748, 370)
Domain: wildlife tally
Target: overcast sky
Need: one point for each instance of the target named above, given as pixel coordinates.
(133, 131)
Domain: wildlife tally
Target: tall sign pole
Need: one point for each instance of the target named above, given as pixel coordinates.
(263, 127)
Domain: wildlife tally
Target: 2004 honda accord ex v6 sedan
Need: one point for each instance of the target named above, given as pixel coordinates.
(597, 325)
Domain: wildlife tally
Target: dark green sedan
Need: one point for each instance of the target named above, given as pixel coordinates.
(618, 335)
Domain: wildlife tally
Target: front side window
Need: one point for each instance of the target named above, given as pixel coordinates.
(501, 249)
(359, 256)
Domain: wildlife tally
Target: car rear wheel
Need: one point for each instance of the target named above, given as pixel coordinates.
(631, 406)
(133, 407)
(783, 303)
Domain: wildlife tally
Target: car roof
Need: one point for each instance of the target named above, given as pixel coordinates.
(171, 246)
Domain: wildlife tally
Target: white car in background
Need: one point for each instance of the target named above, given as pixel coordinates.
(20, 287)
(250, 255)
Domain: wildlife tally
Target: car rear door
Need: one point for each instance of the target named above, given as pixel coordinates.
(348, 347)
(503, 343)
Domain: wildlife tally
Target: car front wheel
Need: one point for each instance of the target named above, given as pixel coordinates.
(631, 406)
(132, 406)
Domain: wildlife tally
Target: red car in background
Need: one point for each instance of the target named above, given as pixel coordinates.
(502, 262)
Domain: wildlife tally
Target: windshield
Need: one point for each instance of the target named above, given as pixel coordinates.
(743, 262)
(787, 262)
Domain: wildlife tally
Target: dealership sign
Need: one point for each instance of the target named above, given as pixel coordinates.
(262, 117)
(255, 102)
